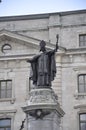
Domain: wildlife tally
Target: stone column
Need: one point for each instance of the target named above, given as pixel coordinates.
(43, 110)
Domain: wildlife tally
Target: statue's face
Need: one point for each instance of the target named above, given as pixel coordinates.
(42, 48)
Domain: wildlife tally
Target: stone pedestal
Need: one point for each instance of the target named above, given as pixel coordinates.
(43, 110)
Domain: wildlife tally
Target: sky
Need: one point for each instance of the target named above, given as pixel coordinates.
(28, 7)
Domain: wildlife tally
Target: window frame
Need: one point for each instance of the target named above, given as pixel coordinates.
(5, 50)
(6, 89)
(82, 43)
(4, 114)
(12, 99)
(5, 126)
(81, 121)
(84, 83)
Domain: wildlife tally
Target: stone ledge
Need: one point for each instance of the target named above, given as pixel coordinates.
(80, 96)
(12, 100)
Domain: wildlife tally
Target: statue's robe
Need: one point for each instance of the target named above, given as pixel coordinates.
(43, 68)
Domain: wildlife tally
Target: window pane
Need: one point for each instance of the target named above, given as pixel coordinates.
(84, 43)
(5, 122)
(6, 47)
(9, 84)
(85, 38)
(81, 43)
(82, 117)
(8, 128)
(3, 94)
(85, 78)
(3, 85)
(82, 40)
(85, 83)
(81, 88)
(81, 79)
(82, 83)
(83, 126)
(9, 93)
(6, 89)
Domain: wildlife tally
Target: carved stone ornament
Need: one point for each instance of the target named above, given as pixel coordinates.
(41, 96)
(42, 102)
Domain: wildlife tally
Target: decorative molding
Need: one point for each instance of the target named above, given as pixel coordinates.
(76, 51)
(12, 100)
(8, 111)
(82, 106)
(29, 41)
(80, 96)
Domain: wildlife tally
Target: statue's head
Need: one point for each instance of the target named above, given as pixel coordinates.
(42, 46)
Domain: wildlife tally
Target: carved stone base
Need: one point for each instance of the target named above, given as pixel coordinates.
(43, 110)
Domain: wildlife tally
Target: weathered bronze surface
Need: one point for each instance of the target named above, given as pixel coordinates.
(43, 67)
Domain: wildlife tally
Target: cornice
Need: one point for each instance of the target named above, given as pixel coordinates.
(39, 16)
(75, 51)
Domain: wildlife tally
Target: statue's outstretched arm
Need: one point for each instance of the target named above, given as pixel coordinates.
(55, 50)
(30, 60)
(56, 47)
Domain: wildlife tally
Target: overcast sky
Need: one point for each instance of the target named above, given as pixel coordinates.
(26, 7)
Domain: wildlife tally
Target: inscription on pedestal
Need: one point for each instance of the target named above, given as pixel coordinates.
(42, 96)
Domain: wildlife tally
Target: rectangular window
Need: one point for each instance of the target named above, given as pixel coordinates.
(82, 83)
(5, 124)
(82, 121)
(5, 88)
(82, 40)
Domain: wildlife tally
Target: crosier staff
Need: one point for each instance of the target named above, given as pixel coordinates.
(57, 37)
(59, 47)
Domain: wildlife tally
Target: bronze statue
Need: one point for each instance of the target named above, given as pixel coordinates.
(43, 67)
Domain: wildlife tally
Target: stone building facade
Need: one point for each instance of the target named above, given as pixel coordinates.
(19, 40)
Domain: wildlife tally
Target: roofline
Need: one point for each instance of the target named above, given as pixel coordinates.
(39, 16)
